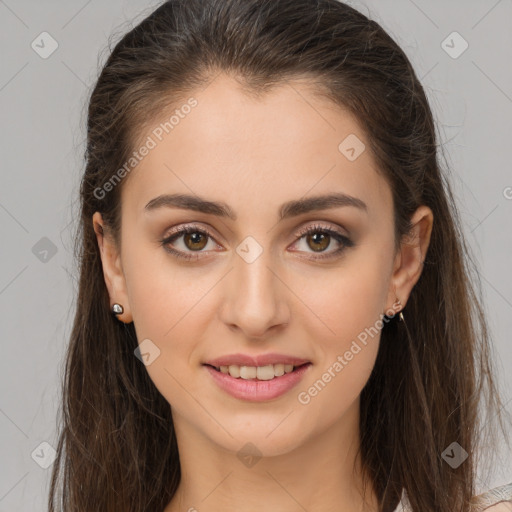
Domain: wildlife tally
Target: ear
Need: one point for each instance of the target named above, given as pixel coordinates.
(112, 269)
(409, 260)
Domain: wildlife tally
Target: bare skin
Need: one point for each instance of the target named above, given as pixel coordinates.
(254, 155)
(505, 506)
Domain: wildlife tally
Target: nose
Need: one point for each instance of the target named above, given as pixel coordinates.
(255, 298)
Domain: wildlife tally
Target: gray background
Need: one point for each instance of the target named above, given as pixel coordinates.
(43, 116)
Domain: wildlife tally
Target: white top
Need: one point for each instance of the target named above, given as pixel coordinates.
(497, 495)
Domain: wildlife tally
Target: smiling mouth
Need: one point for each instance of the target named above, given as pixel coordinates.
(268, 372)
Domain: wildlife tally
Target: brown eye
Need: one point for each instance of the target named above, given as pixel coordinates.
(188, 242)
(195, 241)
(318, 241)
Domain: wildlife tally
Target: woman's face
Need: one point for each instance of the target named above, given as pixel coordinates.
(257, 285)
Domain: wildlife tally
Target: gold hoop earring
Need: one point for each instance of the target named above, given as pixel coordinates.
(400, 315)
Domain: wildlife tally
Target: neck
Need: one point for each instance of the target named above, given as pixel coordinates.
(321, 473)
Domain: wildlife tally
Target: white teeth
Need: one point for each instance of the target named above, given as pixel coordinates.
(279, 370)
(248, 372)
(267, 372)
(234, 371)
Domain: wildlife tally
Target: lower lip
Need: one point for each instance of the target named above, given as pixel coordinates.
(258, 390)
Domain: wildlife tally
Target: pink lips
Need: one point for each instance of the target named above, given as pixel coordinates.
(254, 390)
(260, 360)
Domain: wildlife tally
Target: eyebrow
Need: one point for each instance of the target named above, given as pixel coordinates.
(287, 210)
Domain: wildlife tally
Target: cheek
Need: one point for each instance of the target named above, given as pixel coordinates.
(161, 292)
(170, 312)
(349, 299)
(346, 327)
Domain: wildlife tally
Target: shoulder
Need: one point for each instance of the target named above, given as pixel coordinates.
(502, 506)
(498, 499)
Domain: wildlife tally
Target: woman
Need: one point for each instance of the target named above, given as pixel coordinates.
(275, 307)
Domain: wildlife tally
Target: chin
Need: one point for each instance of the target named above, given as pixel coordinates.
(258, 439)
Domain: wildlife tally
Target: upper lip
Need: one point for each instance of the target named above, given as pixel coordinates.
(260, 360)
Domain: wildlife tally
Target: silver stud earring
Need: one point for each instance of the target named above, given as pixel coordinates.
(117, 309)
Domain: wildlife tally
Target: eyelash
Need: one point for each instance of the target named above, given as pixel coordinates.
(185, 230)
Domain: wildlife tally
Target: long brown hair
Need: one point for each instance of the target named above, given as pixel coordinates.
(117, 447)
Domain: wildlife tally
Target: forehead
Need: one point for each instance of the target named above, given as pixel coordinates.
(256, 152)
